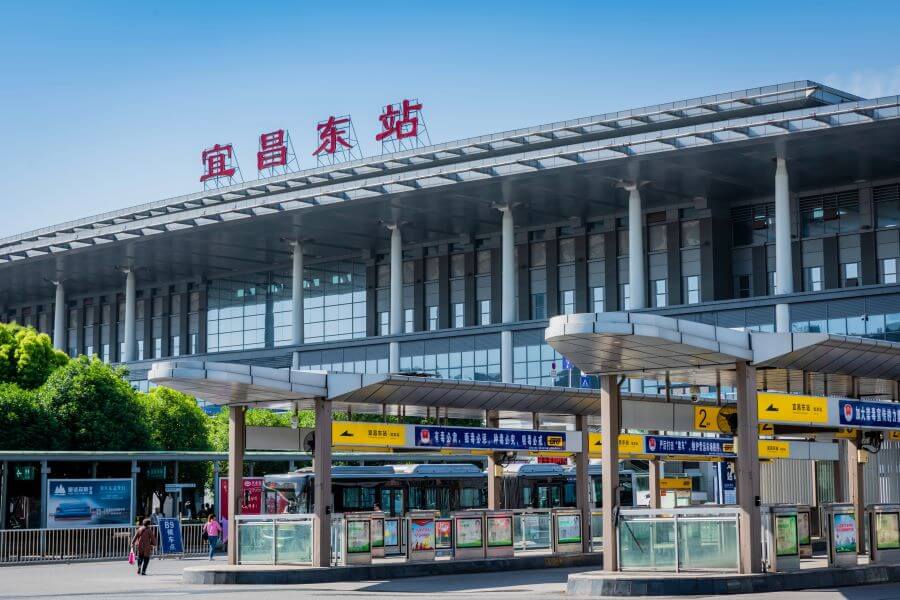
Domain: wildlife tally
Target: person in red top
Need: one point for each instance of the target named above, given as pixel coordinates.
(213, 530)
(143, 542)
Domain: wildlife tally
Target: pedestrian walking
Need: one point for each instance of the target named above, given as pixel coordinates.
(212, 530)
(143, 542)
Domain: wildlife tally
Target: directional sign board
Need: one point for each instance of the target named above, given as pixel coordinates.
(675, 483)
(629, 443)
(774, 449)
(345, 433)
(706, 418)
(792, 408)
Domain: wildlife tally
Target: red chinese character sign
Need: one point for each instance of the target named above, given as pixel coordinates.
(220, 167)
(402, 127)
(276, 154)
(336, 141)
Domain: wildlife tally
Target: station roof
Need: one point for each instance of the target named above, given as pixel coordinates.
(234, 384)
(717, 147)
(653, 346)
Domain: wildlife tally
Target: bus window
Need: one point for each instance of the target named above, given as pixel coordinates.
(527, 496)
(471, 498)
(569, 496)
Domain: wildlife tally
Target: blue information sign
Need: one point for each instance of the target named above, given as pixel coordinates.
(694, 446)
(170, 536)
(432, 436)
(869, 414)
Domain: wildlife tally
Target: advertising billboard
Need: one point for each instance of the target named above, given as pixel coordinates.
(251, 499)
(79, 503)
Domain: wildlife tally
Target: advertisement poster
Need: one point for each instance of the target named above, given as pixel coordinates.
(844, 527)
(78, 503)
(391, 530)
(887, 531)
(786, 535)
(421, 534)
(377, 533)
(569, 529)
(251, 499)
(358, 541)
(443, 533)
(468, 533)
(803, 528)
(170, 536)
(499, 531)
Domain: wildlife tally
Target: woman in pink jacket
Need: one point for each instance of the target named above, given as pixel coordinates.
(213, 530)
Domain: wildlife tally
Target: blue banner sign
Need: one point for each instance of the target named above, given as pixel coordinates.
(869, 414)
(78, 503)
(726, 490)
(170, 536)
(693, 446)
(433, 436)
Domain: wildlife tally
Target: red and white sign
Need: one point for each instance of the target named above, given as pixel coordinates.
(251, 498)
(218, 162)
(332, 135)
(272, 150)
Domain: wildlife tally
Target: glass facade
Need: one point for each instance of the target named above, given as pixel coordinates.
(334, 302)
(468, 357)
(236, 314)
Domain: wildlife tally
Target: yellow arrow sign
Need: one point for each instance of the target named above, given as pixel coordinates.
(791, 408)
(367, 434)
(629, 443)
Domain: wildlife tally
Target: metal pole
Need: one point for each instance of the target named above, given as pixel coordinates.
(784, 264)
(492, 420)
(135, 469)
(45, 470)
(582, 481)
(4, 485)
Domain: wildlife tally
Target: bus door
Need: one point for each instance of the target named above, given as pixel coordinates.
(392, 501)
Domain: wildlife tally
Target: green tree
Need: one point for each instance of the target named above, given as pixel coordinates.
(175, 420)
(96, 407)
(27, 358)
(24, 422)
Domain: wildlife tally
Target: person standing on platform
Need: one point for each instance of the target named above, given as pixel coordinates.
(212, 529)
(143, 542)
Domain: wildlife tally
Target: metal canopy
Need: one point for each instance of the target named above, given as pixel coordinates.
(828, 353)
(235, 384)
(639, 344)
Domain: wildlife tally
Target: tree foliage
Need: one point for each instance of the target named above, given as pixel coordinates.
(175, 421)
(27, 358)
(24, 422)
(97, 408)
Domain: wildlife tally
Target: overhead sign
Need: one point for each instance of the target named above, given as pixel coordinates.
(155, 472)
(846, 433)
(24, 473)
(792, 408)
(344, 433)
(434, 436)
(875, 415)
(170, 536)
(688, 446)
(774, 449)
(176, 487)
(706, 418)
(80, 503)
(675, 483)
(629, 443)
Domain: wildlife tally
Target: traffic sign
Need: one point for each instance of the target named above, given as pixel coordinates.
(344, 433)
(791, 408)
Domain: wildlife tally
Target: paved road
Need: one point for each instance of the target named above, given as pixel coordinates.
(117, 581)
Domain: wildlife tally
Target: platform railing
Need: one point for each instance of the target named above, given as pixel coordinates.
(18, 546)
(679, 539)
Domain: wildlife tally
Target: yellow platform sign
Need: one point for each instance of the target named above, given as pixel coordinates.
(675, 483)
(629, 443)
(345, 433)
(894, 436)
(791, 408)
(846, 433)
(706, 418)
(774, 449)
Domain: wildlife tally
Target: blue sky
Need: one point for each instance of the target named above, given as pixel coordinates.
(107, 105)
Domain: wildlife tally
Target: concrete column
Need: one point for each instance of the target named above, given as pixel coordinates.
(59, 318)
(492, 420)
(322, 496)
(582, 482)
(747, 468)
(297, 300)
(45, 470)
(4, 485)
(130, 315)
(637, 273)
(236, 444)
(135, 469)
(653, 469)
(856, 488)
(396, 324)
(784, 263)
(610, 423)
(508, 291)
